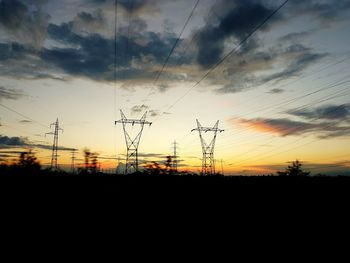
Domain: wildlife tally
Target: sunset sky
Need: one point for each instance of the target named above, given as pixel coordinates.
(280, 94)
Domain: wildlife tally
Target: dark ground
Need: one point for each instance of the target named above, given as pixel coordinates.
(301, 200)
(130, 185)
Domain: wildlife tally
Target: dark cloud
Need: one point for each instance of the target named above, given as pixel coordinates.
(23, 61)
(139, 108)
(286, 127)
(326, 11)
(84, 47)
(238, 22)
(21, 142)
(130, 6)
(276, 91)
(251, 70)
(87, 23)
(151, 155)
(295, 36)
(332, 112)
(24, 20)
(10, 94)
(91, 55)
(296, 67)
(153, 113)
(25, 121)
(13, 141)
(133, 6)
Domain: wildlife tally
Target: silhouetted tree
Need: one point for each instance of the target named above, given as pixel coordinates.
(294, 170)
(94, 162)
(28, 162)
(153, 168)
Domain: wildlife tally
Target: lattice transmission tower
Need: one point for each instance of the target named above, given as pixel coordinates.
(73, 158)
(132, 163)
(208, 161)
(54, 156)
(175, 162)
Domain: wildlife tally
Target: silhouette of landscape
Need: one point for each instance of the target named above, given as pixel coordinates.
(27, 175)
(175, 96)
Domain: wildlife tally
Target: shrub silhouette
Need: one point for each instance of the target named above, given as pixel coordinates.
(294, 170)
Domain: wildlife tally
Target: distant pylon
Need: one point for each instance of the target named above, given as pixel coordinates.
(73, 160)
(175, 157)
(132, 163)
(208, 161)
(222, 167)
(55, 144)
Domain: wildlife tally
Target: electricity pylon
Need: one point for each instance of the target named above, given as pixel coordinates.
(175, 157)
(54, 156)
(208, 162)
(132, 163)
(73, 160)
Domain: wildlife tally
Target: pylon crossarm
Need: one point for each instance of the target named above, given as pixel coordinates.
(133, 122)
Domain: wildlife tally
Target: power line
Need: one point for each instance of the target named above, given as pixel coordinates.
(326, 98)
(321, 69)
(24, 116)
(235, 49)
(176, 42)
(301, 125)
(289, 101)
(327, 126)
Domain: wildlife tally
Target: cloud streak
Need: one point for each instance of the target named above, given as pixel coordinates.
(330, 112)
(25, 21)
(10, 94)
(287, 127)
(7, 142)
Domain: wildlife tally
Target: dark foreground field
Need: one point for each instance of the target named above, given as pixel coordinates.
(146, 185)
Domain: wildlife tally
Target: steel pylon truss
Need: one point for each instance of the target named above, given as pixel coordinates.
(208, 161)
(131, 164)
(54, 156)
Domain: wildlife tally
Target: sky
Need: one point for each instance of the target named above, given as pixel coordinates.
(275, 76)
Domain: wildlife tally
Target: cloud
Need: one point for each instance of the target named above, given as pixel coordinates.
(131, 6)
(281, 127)
(153, 113)
(238, 20)
(276, 91)
(21, 142)
(330, 112)
(326, 11)
(20, 61)
(139, 108)
(295, 36)
(278, 63)
(286, 127)
(10, 94)
(87, 23)
(84, 46)
(13, 141)
(91, 55)
(25, 121)
(151, 155)
(24, 20)
(135, 6)
(295, 67)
